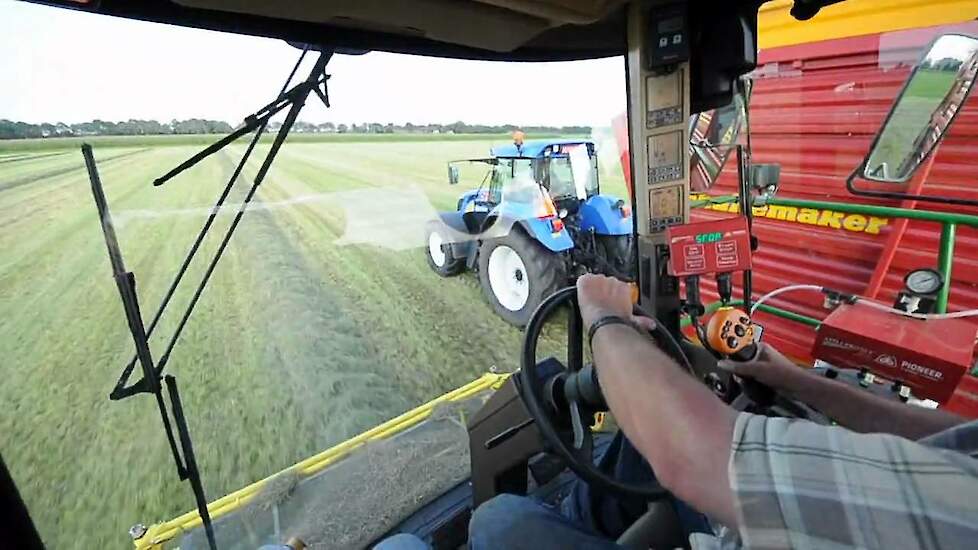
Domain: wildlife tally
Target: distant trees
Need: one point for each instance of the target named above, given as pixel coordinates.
(134, 127)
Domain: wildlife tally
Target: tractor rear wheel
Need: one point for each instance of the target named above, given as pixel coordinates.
(439, 251)
(517, 274)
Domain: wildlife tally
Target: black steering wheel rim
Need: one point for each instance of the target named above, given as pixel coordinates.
(532, 391)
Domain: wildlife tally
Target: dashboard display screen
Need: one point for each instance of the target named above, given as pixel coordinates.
(672, 24)
(666, 202)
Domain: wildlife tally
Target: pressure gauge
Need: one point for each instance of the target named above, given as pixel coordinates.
(924, 282)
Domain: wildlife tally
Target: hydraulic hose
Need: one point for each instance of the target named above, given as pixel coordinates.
(864, 301)
(782, 290)
(953, 315)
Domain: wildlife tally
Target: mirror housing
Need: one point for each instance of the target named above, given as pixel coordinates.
(921, 115)
(765, 180)
(452, 174)
(763, 176)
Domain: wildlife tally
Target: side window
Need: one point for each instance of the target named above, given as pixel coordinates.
(500, 173)
(593, 187)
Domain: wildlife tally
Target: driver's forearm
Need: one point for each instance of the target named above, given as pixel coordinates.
(864, 412)
(677, 424)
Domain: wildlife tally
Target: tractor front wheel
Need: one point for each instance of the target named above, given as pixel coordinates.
(439, 252)
(517, 274)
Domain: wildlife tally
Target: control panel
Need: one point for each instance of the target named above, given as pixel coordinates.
(658, 113)
(668, 36)
(716, 246)
(658, 77)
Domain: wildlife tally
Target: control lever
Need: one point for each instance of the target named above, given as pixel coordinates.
(758, 392)
(731, 332)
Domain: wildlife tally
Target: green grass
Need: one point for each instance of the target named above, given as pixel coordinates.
(298, 342)
(48, 144)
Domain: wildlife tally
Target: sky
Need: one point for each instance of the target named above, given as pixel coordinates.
(59, 65)
(956, 46)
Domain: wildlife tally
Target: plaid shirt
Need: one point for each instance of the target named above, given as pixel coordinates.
(802, 485)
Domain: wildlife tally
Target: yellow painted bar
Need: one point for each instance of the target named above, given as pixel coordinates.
(856, 18)
(160, 533)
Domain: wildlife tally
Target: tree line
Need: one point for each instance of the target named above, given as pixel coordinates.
(133, 127)
(18, 130)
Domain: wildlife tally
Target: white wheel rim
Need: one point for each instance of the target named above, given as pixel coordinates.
(507, 278)
(435, 250)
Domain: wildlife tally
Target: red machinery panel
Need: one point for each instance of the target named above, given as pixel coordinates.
(718, 246)
(929, 356)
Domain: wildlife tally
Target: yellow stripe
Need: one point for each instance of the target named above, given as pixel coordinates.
(160, 533)
(857, 18)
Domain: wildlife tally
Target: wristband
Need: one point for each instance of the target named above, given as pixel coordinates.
(606, 320)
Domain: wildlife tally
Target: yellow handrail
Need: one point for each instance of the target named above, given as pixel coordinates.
(160, 533)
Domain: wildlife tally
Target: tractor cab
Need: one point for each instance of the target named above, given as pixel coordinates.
(567, 170)
(536, 222)
(523, 180)
(538, 177)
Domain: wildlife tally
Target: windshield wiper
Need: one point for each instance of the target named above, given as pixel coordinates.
(183, 456)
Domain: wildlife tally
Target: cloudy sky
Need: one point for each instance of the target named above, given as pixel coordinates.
(59, 65)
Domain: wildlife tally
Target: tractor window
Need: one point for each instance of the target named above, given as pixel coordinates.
(564, 177)
(513, 180)
(561, 178)
(499, 172)
(520, 187)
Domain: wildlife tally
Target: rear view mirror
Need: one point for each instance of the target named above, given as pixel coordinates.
(452, 174)
(712, 136)
(933, 94)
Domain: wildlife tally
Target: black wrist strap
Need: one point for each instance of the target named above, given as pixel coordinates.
(603, 321)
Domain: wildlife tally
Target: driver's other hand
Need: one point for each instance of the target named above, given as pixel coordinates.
(600, 296)
(771, 368)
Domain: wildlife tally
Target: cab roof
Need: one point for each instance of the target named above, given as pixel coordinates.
(506, 30)
(533, 148)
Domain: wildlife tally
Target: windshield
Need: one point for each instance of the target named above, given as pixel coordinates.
(363, 279)
(326, 315)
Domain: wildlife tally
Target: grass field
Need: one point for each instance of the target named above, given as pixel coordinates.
(299, 342)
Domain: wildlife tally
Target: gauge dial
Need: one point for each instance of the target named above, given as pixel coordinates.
(923, 281)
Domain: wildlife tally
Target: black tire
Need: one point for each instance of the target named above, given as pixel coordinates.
(544, 274)
(450, 265)
(617, 250)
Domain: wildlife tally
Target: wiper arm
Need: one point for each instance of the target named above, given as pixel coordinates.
(184, 457)
(317, 75)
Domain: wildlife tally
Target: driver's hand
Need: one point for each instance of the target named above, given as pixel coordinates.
(771, 368)
(600, 296)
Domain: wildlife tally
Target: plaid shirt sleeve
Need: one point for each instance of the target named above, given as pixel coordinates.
(802, 485)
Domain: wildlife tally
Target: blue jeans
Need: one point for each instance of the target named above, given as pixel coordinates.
(586, 519)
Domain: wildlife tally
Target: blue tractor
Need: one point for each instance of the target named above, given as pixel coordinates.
(537, 221)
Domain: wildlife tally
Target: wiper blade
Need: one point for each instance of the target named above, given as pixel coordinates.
(126, 283)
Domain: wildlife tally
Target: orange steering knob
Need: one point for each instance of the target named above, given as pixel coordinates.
(729, 331)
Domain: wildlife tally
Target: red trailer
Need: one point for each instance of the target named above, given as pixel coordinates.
(819, 95)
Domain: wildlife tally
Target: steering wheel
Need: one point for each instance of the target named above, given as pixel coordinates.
(562, 406)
